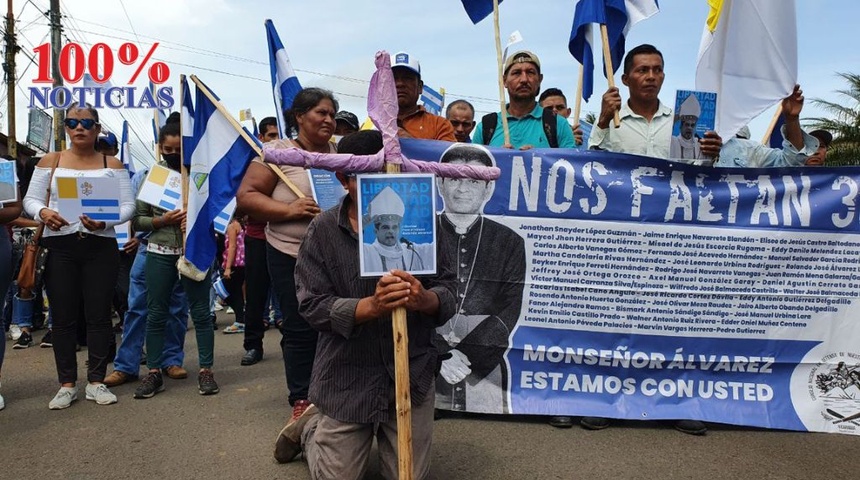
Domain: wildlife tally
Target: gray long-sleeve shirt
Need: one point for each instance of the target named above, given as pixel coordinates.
(353, 373)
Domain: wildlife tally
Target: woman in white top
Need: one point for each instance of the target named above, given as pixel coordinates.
(83, 259)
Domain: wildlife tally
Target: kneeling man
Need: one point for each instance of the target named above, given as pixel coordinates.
(352, 385)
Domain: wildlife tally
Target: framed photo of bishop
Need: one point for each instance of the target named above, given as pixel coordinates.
(397, 223)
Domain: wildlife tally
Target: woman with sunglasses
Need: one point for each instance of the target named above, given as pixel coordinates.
(83, 259)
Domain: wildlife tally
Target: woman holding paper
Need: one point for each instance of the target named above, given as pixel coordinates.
(83, 261)
(163, 250)
(283, 197)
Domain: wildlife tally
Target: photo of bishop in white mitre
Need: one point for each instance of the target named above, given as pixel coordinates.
(390, 250)
(686, 144)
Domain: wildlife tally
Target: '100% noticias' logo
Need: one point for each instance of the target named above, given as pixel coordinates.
(75, 62)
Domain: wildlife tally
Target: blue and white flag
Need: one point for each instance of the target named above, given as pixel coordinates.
(159, 116)
(432, 100)
(222, 220)
(478, 9)
(219, 160)
(618, 16)
(125, 150)
(285, 84)
(186, 118)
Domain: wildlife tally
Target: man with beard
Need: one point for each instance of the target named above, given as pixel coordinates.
(529, 124)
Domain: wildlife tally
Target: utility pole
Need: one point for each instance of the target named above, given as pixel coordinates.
(9, 70)
(56, 30)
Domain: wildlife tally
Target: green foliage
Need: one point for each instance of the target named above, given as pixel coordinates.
(843, 122)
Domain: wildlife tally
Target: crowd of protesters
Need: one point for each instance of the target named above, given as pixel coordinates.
(272, 278)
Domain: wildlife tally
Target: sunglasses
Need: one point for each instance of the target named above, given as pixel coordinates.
(87, 123)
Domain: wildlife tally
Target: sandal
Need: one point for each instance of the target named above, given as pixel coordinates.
(235, 328)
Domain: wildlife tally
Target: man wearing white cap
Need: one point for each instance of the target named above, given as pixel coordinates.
(414, 121)
(686, 144)
(390, 250)
(529, 125)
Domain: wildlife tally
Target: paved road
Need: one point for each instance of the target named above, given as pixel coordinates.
(180, 434)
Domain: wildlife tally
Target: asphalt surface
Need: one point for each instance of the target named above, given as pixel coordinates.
(179, 434)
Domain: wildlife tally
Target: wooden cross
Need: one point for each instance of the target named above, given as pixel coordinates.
(382, 109)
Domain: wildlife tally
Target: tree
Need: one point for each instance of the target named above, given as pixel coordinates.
(843, 123)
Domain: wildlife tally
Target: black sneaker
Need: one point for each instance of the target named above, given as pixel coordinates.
(24, 341)
(46, 341)
(151, 384)
(206, 383)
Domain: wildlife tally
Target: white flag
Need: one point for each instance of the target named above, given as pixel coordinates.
(748, 56)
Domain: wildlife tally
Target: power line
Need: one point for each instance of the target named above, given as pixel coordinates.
(215, 54)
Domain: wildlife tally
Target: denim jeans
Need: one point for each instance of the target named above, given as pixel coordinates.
(161, 280)
(134, 326)
(298, 339)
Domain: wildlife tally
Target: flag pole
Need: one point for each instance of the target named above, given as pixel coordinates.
(244, 134)
(578, 105)
(607, 60)
(773, 121)
(403, 401)
(504, 111)
(183, 168)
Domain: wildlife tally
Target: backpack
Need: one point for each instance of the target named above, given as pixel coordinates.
(550, 127)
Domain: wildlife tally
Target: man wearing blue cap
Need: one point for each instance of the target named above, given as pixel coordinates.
(108, 144)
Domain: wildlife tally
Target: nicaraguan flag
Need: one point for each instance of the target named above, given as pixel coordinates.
(186, 118)
(478, 9)
(285, 84)
(748, 56)
(218, 163)
(433, 101)
(125, 150)
(618, 16)
(222, 220)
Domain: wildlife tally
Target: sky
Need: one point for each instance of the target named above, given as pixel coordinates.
(331, 44)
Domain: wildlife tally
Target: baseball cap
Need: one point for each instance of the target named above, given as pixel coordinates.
(403, 59)
(108, 139)
(520, 57)
(347, 117)
(823, 136)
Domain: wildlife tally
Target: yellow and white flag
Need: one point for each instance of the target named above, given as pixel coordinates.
(748, 55)
(162, 188)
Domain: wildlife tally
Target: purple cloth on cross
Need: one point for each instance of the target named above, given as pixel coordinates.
(382, 109)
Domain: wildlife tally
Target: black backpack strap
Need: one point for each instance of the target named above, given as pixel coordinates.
(550, 127)
(488, 126)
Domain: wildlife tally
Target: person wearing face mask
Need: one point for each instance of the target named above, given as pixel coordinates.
(83, 263)
(127, 362)
(163, 251)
